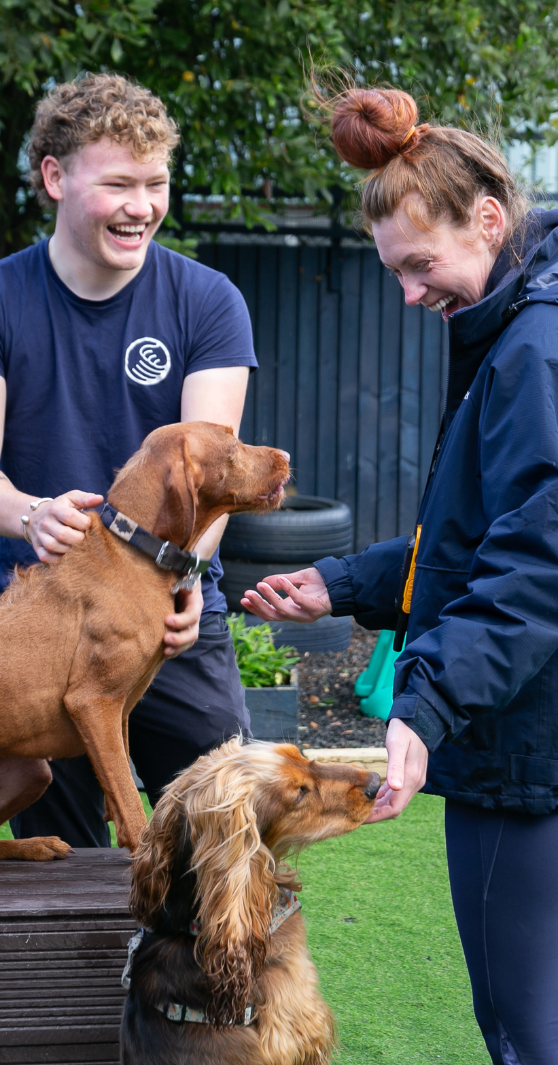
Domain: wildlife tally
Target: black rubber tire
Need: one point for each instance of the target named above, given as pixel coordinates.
(325, 634)
(306, 527)
(240, 575)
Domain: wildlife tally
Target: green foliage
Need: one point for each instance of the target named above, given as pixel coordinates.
(232, 75)
(231, 72)
(186, 246)
(261, 664)
(43, 42)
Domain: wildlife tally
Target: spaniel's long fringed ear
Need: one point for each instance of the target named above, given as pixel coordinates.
(235, 884)
(177, 517)
(159, 844)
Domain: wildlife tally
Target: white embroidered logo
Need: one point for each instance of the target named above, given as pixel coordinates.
(466, 396)
(147, 361)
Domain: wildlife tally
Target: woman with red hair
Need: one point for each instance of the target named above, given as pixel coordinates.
(475, 709)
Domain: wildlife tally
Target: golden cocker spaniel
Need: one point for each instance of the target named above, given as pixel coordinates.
(220, 973)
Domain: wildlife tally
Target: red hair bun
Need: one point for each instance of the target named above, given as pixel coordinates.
(369, 126)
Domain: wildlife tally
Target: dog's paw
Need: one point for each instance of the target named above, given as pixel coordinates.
(42, 849)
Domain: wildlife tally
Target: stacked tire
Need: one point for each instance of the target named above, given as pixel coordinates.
(305, 529)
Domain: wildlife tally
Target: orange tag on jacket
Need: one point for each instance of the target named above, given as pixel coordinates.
(406, 607)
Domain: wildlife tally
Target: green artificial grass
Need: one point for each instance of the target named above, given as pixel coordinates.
(383, 937)
(382, 934)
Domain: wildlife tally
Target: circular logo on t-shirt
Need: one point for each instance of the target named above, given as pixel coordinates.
(147, 361)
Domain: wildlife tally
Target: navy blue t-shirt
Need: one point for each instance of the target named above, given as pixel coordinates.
(87, 380)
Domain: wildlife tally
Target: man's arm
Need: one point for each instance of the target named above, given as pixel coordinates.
(56, 526)
(214, 395)
(12, 503)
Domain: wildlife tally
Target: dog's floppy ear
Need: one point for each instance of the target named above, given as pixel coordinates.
(235, 884)
(177, 516)
(154, 859)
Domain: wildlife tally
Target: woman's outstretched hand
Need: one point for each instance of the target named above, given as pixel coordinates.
(307, 598)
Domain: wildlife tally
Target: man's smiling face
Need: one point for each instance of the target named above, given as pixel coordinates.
(111, 204)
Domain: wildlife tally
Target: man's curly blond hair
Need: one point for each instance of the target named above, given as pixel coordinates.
(98, 105)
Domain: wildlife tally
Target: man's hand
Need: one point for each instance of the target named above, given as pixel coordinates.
(406, 774)
(307, 597)
(56, 527)
(183, 629)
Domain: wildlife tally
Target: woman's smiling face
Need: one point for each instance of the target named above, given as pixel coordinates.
(444, 268)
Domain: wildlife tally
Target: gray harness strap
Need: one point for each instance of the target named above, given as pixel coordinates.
(178, 1012)
(181, 1014)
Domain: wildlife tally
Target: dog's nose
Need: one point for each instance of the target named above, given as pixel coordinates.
(285, 455)
(372, 787)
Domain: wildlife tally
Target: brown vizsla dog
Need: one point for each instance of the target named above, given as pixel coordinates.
(82, 639)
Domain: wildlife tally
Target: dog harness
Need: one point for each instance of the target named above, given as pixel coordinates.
(164, 553)
(287, 904)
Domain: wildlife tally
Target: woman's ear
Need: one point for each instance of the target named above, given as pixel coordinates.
(493, 221)
(235, 890)
(154, 859)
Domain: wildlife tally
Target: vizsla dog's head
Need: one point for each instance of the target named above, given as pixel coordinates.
(185, 476)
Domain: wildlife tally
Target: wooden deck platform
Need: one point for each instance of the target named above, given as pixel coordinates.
(64, 927)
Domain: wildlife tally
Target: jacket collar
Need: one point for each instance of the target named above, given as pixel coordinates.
(474, 330)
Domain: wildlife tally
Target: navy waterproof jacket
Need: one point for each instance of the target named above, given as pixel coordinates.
(478, 679)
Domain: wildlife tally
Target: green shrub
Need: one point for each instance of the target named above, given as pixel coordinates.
(261, 664)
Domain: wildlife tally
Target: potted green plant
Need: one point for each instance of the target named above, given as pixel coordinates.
(269, 676)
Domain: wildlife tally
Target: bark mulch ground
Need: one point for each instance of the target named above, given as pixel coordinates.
(329, 712)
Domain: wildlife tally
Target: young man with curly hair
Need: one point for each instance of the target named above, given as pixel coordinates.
(104, 336)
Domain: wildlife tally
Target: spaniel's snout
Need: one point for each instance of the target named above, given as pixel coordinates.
(372, 786)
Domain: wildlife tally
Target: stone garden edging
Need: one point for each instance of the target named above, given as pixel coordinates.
(374, 759)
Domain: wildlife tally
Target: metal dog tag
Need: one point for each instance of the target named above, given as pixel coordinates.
(133, 945)
(185, 583)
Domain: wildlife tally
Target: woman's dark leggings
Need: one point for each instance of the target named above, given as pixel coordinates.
(503, 871)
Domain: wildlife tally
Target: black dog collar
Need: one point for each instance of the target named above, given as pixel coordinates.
(165, 554)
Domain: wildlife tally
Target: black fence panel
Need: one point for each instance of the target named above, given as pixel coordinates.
(351, 381)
